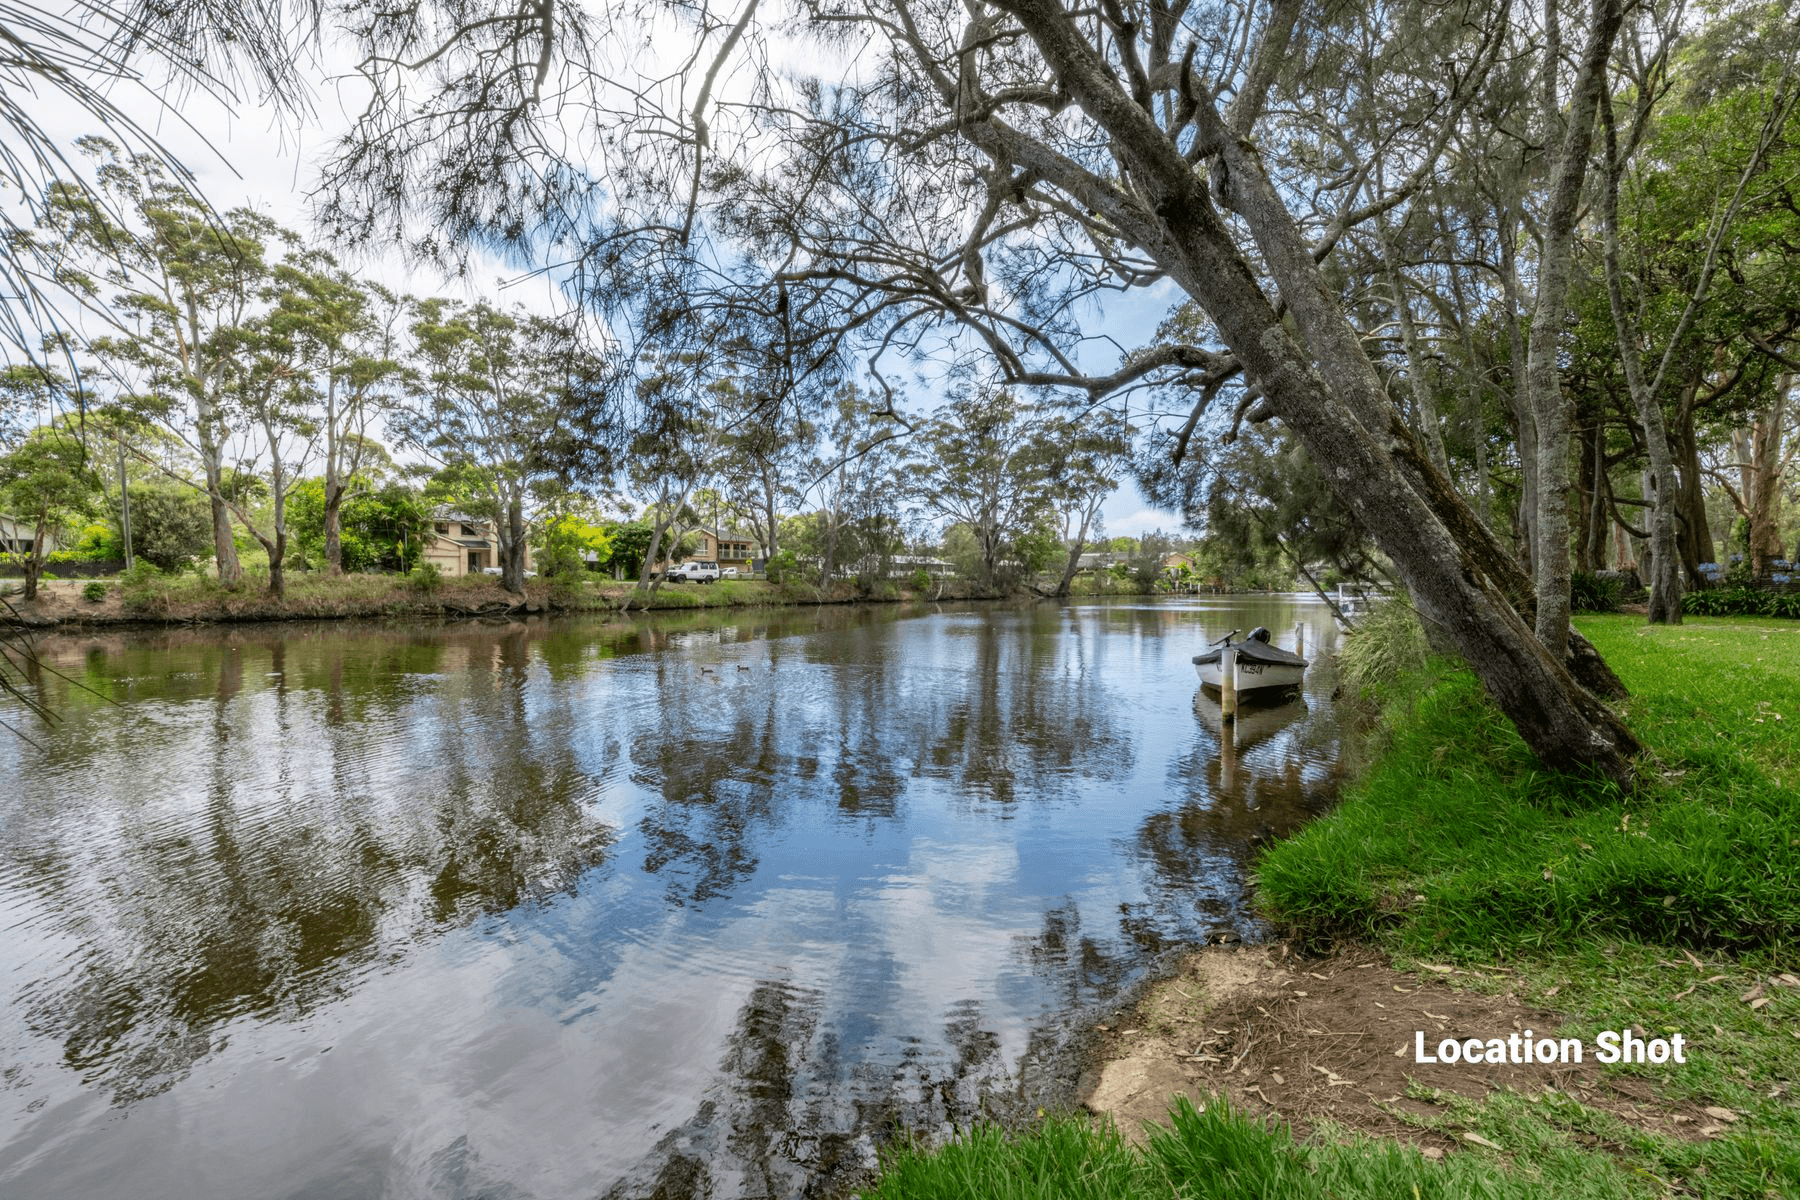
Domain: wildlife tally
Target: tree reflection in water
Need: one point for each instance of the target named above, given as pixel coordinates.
(294, 849)
(872, 875)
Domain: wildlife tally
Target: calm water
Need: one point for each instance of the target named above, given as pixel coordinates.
(693, 905)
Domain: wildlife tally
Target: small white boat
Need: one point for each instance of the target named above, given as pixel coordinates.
(1260, 666)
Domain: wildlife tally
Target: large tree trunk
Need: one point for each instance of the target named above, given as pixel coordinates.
(34, 563)
(512, 547)
(1695, 541)
(1550, 556)
(1350, 427)
(231, 572)
(1763, 493)
(334, 488)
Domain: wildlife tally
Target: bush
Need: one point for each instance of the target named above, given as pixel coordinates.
(1742, 602)
(170, 525)
(1591, 594)
(783, 567)
(94, 591)
(425, 579)
(921, 580)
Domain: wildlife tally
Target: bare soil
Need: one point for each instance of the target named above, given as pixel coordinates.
(1333, 1039)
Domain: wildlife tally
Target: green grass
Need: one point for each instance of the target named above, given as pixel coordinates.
(1216, 1153)
(1457, 843)
(1456, 846)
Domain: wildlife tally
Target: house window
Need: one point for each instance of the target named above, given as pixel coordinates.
(442, 527)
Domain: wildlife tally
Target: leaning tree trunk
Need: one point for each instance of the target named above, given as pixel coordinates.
(1550, 554)
(1350, 427)
(1074, 563)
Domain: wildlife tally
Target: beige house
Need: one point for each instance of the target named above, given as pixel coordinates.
(728, 548)
(459, 544)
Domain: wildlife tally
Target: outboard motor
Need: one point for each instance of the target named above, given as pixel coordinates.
(1259, 634)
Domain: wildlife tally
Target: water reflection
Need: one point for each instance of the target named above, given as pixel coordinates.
(700, 904)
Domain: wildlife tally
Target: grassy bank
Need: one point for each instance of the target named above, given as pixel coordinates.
(184, 599)
(1676, 909)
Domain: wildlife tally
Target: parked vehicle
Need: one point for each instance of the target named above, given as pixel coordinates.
(695, 572)
(501, 571)
(728, 573)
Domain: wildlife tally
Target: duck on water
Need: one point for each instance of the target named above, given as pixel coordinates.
(1261, 667)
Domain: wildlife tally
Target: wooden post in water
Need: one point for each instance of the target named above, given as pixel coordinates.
(1228, 685)
(1300, 638)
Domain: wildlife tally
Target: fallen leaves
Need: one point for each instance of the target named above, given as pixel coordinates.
(1479, 1140)
(1719, 1114)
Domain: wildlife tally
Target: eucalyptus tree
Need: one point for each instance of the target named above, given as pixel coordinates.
(858, 488)
(352, 336)
(173, 281)
(272, 391)
(507, 400)
(982, 462)
(1083, 460)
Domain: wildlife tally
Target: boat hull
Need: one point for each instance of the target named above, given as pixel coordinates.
(1252, 676)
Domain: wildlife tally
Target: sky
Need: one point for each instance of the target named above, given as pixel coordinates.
(249, 154)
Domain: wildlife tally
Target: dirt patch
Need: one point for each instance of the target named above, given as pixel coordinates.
(1334, 1039)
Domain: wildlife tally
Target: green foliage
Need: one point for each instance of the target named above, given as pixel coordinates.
(1592, 594)
(379, 529)
(1458, 843)
(1741, 602)
(97, 542)
(425, 579)
(921, 580)
(630, 544)
(783, 568)
(1386, 647)
(95, 591)
(566, 544)
(170, 525)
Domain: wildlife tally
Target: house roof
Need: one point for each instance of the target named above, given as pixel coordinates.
(473, 543)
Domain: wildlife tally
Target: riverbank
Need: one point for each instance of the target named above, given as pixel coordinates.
(193, 599)
(1456, 891)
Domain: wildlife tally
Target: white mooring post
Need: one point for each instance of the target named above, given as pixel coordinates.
(1300, 638)
(1228, 684)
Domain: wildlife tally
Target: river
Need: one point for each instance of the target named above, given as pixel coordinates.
(691, 904)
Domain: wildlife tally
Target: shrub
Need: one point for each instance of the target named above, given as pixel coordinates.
(921, 580)
(1590, 593)
(170, 525)
(783, 567)
(425, 579)
(94, 591)
(1741, 602)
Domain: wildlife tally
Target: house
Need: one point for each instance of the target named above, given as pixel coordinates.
(1174, 564)
(1100, 560)
(19, 537)
(459, 544)
(727, 547)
